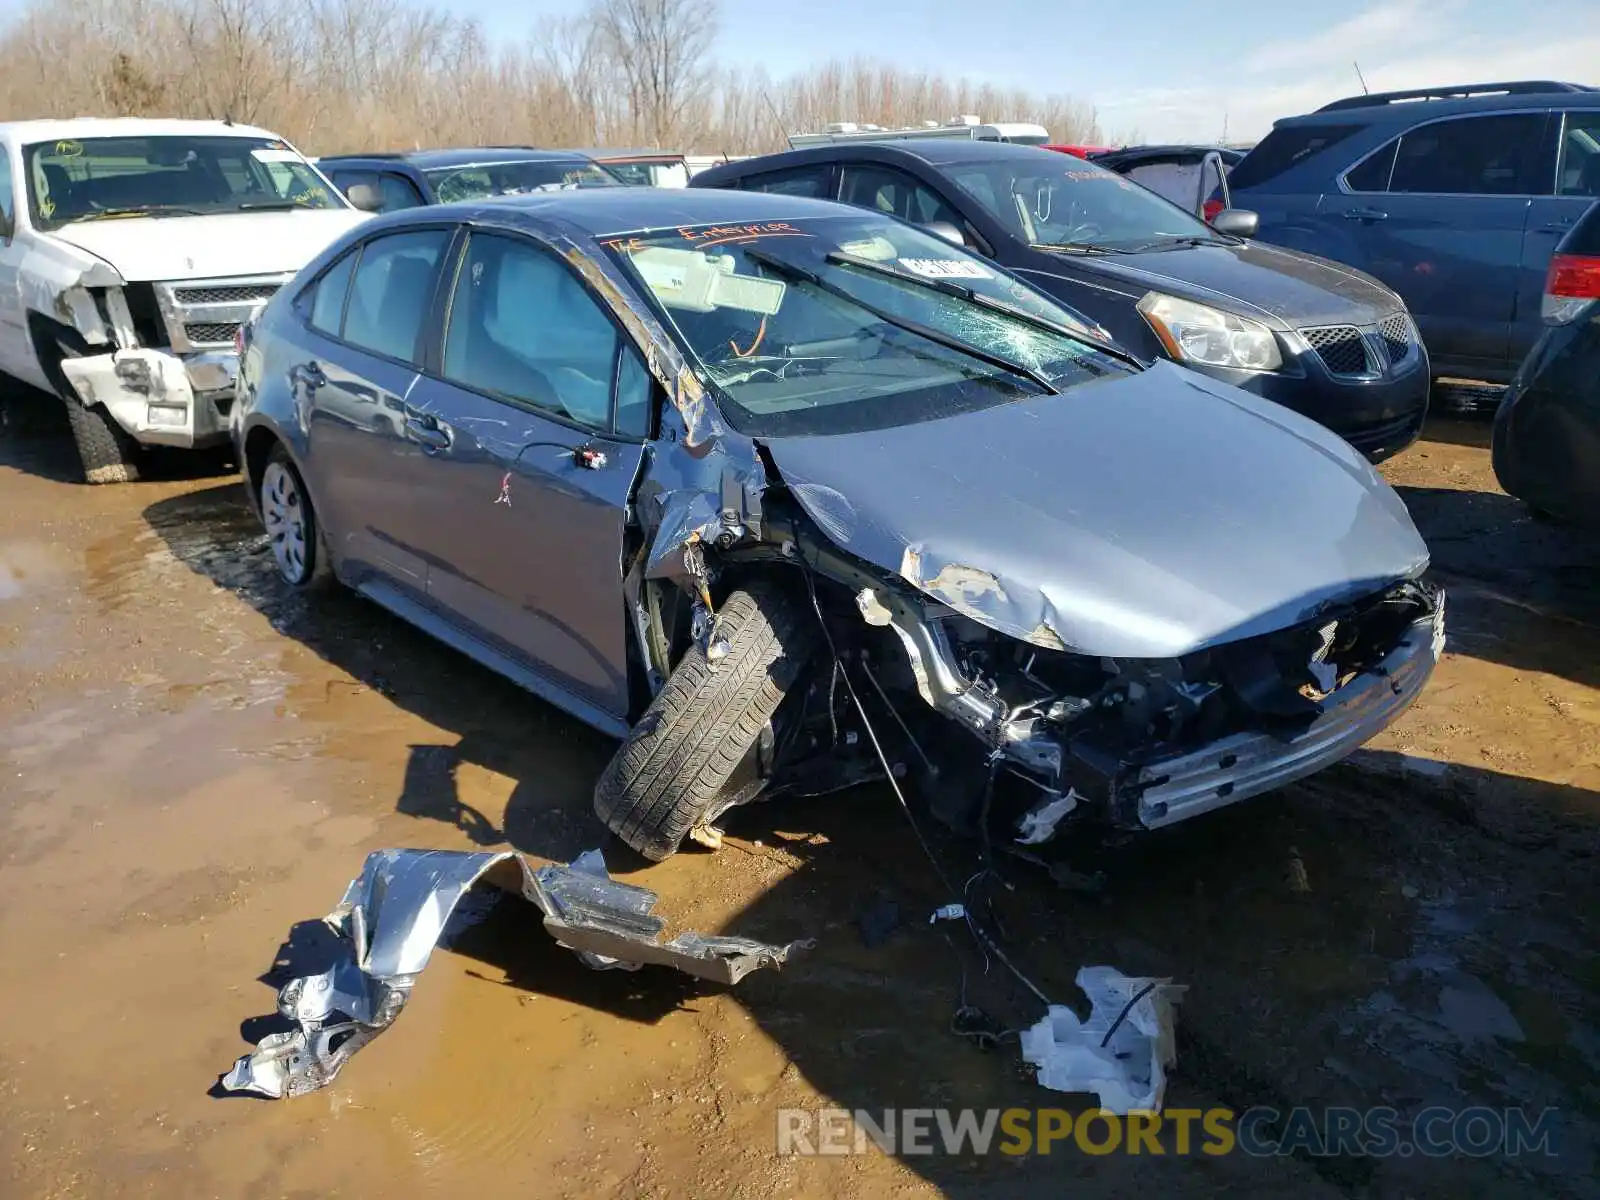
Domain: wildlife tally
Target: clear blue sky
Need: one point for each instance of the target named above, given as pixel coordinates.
(1160, 68)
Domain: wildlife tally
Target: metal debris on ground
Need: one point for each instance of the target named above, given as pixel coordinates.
(393, 915)
(1121, 1053)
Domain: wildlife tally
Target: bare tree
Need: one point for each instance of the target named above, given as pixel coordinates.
(662, 49)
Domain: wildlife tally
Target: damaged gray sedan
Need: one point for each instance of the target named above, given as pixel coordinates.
(720, 472)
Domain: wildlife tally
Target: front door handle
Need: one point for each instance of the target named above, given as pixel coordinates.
(427, 431)
(1558, 227)
(1365, 214)
(309, 374)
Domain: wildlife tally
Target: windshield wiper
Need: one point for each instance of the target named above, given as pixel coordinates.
(951, 288)
(267, 205)
(1078, 248)
(154, 210)
(805, 275)
(1179, 239)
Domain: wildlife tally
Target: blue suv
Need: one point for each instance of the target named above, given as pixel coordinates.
(1454, 197)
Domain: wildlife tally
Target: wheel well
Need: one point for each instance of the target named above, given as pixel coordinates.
(258, 444)
(52, 342)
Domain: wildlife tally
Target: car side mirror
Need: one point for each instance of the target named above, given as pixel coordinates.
(364, 196)
(948, 232)
(1236, 222)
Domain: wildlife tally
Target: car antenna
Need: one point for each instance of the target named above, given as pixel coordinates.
(1365, 90)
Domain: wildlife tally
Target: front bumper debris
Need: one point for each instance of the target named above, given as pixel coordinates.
(1121, 1053)
(160, 399)
(395, 912)
(1182, 786)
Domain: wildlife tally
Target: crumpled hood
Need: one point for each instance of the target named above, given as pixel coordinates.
(1143, 517)
(1252, 279)
(210, 247)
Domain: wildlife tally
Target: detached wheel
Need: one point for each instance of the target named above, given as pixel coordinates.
(298, 549)
(690, 741)
(109, 455)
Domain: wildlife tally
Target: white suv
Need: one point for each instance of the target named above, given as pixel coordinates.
(130, 253)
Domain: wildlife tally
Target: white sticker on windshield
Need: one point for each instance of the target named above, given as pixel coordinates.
(272, 156)
(946, 268)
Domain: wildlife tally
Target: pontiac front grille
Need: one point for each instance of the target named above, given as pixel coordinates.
(1397, 336)
(1341, 347)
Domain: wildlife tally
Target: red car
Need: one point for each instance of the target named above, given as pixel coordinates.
(1080, 151)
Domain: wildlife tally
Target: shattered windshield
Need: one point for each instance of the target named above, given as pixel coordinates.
(855, 322)
(113, 177)
(477, 181)
(1076, 205)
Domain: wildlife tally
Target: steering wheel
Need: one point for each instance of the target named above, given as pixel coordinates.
(1086, 231)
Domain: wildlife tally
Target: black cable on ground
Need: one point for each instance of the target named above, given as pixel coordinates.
(978, 932)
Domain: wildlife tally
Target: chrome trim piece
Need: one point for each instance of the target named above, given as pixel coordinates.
(179, 314)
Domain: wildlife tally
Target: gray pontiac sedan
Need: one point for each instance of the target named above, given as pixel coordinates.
(789, 495)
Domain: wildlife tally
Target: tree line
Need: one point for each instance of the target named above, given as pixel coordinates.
(350, 75)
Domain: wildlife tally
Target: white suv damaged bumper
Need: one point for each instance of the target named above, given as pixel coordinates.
(158, 397)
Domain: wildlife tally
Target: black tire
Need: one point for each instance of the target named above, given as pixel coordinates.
(109, 455)
(315, 573)
(698, 729)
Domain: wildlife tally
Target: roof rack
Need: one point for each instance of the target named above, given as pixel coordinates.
(1521, 87)
(378, 154)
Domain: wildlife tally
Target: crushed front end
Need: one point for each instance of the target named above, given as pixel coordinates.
(162, 356)
(1146, 743)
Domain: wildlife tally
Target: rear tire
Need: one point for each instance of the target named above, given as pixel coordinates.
(109, 455)
(669, 772)
(299, 551)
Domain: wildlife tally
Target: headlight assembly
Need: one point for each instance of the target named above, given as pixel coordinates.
(1193, 333)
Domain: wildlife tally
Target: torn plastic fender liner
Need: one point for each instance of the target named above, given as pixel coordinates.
(395, 912)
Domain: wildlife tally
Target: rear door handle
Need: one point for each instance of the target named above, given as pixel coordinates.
(427, 431)
(1558, 227)
(1365, 214)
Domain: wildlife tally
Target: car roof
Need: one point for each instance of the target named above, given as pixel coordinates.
(77, 128)
(603, 212)
(1408, 108)
(601, 154)
(470, 156)
(933, 151)
(1172, 148)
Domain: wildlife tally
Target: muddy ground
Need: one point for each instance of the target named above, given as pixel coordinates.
(193, 765)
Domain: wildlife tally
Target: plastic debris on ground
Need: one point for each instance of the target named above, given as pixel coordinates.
(393, 915)
(1121, 1053)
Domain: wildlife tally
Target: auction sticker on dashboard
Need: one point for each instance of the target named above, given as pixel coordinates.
(946, 268)
(273, 155)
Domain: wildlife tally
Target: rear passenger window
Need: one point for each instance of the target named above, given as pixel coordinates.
(327, 298)
(522, 327)
(1579, 174)
(393, 291)
(1372, 175)
(1475, 156)
(801, 181)
(1284, 148)
(887, 190)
